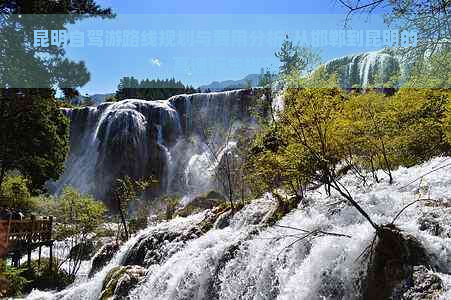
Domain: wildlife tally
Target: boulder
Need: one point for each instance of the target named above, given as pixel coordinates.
(120, 280)
(150, 249)
(103, 257)
(202, 202)
(425, 285)
(392, 262)
(433, 221)
(223, 220)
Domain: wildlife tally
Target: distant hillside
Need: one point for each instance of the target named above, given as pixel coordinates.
(215, 86)
(100, 98)
(97, 98)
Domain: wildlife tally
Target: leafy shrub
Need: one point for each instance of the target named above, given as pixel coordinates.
(447, 121)
(15, 281)
(14, 193)
(42, 278)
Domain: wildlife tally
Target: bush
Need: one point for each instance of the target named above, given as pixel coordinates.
(447, 121)
(42, 278)
(15, 281)
(415, 117)
(14, 193)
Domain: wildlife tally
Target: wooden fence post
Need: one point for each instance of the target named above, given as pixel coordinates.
(51, 243)
(30, 239)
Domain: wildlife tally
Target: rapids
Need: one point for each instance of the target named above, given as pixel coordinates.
(248, 260)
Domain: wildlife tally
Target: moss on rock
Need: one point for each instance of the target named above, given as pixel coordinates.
(284, 206)
(202, 202)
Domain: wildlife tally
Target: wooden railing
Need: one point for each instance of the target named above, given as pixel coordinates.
(28, 231)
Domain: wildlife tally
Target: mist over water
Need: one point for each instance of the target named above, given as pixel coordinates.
(243, 257)
(249, 260)
(174, 141)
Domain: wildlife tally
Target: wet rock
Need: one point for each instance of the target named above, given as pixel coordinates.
(392, 263)
(214, 281)
(150, 249)
(129, 280)
(202, 202)
(103, 257)
(426, 285)
(120, 280)
(283, 204)
(223, 220)
(432, 222)
(146, 248)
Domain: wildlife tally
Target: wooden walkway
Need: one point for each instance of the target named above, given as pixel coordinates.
(23, 236)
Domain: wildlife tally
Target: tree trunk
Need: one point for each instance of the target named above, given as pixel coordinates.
(347, 196)
(387, 164)
(373, 171)
(2, 174)
(124, 222)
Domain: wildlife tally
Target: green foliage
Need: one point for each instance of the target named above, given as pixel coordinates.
(130, 87)
(20, 281)
(126, 191)
(303, 148)
(42, 278)
(77, 214)
(26, 66)
(365, 127)
(14, 194)
(432, 71)
(16, 281)
(171, 205)
(415, 120)
(321, 129)
(447, 121)
(266, 79)
(295, 58)
(77, 217)
(44, 205)
(264, 171)
(324, 133)
(387, 132)
(33, 135)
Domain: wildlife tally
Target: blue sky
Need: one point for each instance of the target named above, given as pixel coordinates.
(204, 21)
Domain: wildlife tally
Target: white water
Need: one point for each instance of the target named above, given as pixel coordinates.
(267, 264)
(162, 139)
(369, 68)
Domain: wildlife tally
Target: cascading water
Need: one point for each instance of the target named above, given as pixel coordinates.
(142, 139)
(246, 259)
(376, 68)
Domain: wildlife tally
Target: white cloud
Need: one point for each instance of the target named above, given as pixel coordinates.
(155, 61)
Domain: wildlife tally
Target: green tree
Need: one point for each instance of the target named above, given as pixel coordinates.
(365, 126)
(416, 127)
(14, 194)
(432, 71)
(430, 18)
(447, 120)
(77, 216)
(26, 66)
(130, 87)
(125, 191)
(295, 58)
(33, 132)
(33, 135)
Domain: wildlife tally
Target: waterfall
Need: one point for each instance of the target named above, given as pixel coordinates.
(163, 140)
(248, 260)
(375, 68)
